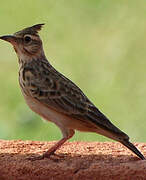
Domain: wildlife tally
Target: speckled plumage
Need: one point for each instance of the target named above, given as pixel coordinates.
(56, 98)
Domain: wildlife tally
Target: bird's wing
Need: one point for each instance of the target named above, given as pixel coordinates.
(54, 90)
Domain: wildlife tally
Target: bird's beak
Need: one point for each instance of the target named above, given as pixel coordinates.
(9, 38)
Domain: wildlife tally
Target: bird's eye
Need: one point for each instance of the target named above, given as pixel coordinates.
(27, 39)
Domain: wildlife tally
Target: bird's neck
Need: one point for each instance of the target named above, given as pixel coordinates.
(24, 58)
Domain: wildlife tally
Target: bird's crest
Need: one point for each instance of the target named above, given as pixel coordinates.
(33, 30)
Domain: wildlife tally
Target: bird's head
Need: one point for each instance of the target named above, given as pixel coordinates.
(27, 43)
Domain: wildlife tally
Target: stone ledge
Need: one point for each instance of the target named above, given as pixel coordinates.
(76, 160)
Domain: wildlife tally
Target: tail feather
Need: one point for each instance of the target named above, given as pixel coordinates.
(130, 146)
(104, 127)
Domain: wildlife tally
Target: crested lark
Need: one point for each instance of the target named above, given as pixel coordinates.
(54, 97)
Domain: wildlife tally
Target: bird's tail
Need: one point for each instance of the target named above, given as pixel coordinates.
(130, 146)
(104, 127)
(118, 135)
(124, 139)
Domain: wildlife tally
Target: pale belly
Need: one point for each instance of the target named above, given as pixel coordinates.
(45, 112)
(61, 120)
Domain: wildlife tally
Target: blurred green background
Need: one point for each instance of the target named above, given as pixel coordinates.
(98, 44)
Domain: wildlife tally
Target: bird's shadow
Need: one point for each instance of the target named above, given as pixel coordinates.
(22, 166)
(66, 157)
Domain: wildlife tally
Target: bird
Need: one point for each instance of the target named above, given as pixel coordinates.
(56, 98)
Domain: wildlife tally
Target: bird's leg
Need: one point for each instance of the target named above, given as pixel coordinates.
(58, 144)
(51, 151)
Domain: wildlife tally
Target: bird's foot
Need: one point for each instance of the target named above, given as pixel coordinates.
(51, 155)
(35, 158)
